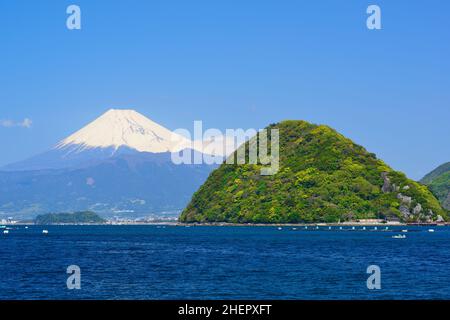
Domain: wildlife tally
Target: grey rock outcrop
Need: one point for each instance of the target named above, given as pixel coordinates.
(405, 211)
(386, 183)
(417, 209)
(404, 199)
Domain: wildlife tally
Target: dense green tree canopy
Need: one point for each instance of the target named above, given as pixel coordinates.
(323, 177)
(438, 181)
(76, 217)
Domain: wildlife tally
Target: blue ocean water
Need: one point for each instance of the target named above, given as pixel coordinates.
(176, 262)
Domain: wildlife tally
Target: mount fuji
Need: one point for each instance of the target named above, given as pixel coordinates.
(118, 165)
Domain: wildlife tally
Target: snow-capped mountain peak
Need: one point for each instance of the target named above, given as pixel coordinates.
(125, 128)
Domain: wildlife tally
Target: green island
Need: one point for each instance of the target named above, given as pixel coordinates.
(323, 177)
(438, 181)
(84, 217)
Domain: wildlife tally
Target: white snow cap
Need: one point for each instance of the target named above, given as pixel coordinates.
(117, 128)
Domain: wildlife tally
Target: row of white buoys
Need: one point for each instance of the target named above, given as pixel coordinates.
(350, 228)
(6, 230)
(329, 228)
(364, 228)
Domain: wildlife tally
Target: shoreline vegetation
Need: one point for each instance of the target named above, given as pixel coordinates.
(226, 224)
(83, 217)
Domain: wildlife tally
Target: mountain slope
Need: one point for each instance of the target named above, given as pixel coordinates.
(124, 185)
(323, 177)
(119, 163)
(113, 133)
(118, 128)
(438, 181)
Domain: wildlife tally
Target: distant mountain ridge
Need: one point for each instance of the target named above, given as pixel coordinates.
(442, 169)
(438, 181)
(119, 164)
(119, 128)
(66, 158)
(114, 133)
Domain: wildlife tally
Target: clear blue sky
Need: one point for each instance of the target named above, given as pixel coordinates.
(232, 64)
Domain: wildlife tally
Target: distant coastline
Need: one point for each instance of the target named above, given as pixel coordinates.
(220, 224)
(91, 219)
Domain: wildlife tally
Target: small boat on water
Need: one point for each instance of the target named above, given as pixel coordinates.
(364, 228)
(45, 231)
(294, 229)
(404, 230)
(375, 228)
(5, 231)
(280, 228)
(430, 230)
(399, 236)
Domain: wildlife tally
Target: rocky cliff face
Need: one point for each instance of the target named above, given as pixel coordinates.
(406, 208)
